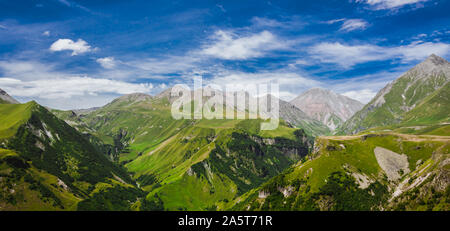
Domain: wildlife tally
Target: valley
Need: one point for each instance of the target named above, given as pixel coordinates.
(329, 152)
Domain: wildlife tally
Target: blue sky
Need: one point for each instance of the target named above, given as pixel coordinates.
(76, 54)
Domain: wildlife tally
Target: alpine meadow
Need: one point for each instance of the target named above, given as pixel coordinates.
(356, 93)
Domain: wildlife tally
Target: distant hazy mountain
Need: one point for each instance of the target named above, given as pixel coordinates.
(401, 96)
(5, 98)
(326, 106)
(294, 116)
(297, 118)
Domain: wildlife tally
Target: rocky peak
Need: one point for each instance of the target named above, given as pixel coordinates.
(436, 60)
(327, 106)
(7, 98)
(433, 64)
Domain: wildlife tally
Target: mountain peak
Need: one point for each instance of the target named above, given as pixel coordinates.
(401, 95)
(433, 64)
(134, 97)
(437, 60)
(4, 97)
(319, 89)
(330, 108)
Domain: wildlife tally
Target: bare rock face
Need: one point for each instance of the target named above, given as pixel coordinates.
(393, 164)
(4, 97)
(326, 106)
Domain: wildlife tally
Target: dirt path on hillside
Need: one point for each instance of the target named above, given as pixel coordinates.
(161, 145)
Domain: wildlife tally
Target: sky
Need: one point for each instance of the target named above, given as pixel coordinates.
(69, 54)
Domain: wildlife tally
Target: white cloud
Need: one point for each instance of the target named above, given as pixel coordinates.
(29, 80)
(348, 55)
(389, 4)
(74, 4)
(266, 22)
(107, 62)
(69, 87)
(354, 24)
(350, 24)
(164, 65)
(421, 50)
(228, 45)
(363, 96)
(363, 88)
(291, 84)
(28, 70)
(78, 47)
(221, 8)
(335, 21)
(46, 33)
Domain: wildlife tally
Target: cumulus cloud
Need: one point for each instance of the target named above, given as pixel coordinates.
(107, 62)
(228, 45)
(78, 47)
(389, 4)
(350, 55)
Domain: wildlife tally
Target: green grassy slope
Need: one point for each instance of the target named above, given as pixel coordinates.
(431, 117)
(433, 110)
(45, 150)
(166, 154)
(12, 116)
(214, 165)
(328, 180)
(24, 187)
(396, 103)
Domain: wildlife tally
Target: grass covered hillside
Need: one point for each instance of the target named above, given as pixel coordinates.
(367, 172)
(214, 166)
(431, 117)
(46, 164)
(418, 97)
(213, 160)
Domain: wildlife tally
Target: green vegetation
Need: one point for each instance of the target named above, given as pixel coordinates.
(410, 101)
(132, 155)
(328, 180)
(12, 116)
(48, 165)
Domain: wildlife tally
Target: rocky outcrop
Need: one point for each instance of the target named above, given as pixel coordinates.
(393, 164)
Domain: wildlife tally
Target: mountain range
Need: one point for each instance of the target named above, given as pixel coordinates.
(391, 154)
